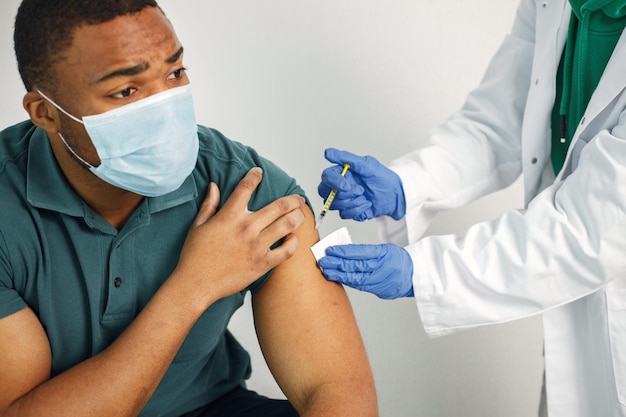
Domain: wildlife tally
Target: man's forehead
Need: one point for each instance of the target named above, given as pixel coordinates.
(125, 41)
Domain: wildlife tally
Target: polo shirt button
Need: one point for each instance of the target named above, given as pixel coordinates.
(117, 282)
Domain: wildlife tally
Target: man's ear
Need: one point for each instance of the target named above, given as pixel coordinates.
(43, 114)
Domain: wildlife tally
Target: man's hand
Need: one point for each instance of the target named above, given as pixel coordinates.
(368, 190)
(385, 270)
(226, 251)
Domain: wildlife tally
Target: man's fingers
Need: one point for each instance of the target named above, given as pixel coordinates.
(279, 208)
(209, 205)
(283, 225)
(241, 195)
(286, 250)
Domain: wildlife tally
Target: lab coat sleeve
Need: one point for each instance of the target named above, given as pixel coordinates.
(477, 150)
(568, 243)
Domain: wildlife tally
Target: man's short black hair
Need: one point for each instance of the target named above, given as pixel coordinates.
(44, 30)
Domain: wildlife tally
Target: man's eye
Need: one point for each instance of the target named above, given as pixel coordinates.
(177, 74)
(125, 93)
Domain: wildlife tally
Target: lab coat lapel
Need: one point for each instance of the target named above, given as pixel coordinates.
(551, 34)
(552, 19)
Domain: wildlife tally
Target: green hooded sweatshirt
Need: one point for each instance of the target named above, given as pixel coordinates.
(594, 29)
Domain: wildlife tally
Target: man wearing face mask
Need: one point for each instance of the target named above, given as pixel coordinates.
(129, 235)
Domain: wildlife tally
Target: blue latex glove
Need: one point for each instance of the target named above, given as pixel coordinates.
(368, 190)
(385, 270)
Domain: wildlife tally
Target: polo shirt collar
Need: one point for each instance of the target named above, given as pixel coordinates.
(48, 189)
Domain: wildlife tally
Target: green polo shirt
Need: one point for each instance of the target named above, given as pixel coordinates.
(87, 282)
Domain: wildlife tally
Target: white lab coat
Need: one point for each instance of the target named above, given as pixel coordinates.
(564, 255)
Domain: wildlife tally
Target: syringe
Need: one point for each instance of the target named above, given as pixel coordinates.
(330, 199)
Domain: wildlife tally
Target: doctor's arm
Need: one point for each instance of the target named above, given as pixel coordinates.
(475, 152)
(310, 339)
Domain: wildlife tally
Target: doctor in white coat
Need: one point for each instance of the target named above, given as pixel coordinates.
(564, 255)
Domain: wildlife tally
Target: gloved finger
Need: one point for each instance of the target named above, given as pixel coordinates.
(353, 280)
(349, 265)
(333, 275)
(336, 156)
(343, 199)
(330, 263)
(332, 178)
(358, 251)
(359, 213)
(365, 215)
(342, 183)
(389, 290)
(330, 266)
(383, 292)
(323, 190)
(359, 203)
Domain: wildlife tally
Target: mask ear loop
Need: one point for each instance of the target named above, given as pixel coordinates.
(60, 108)
(59, 133)
(74, 152)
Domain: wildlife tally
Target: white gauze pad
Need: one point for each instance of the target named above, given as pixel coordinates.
(338, 237)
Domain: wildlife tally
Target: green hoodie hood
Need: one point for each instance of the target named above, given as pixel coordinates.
(610, 8)
(594, 29)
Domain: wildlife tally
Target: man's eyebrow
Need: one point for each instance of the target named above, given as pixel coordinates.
(125, 72)
(175, 57)
(138, 69)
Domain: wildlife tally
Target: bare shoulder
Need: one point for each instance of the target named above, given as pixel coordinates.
(299, 281)
(309, 336)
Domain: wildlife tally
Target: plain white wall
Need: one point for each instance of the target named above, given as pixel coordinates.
(293, 77)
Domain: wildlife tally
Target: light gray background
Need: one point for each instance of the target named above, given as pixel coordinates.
(292, 77)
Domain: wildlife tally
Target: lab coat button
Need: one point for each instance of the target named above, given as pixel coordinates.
(544, 4)
(534, 160)
(582, 121)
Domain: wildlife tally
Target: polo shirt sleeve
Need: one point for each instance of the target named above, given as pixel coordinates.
(276, 183)
(10, 301)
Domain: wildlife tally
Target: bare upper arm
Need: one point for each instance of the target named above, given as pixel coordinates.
(308, 332)
(25, 353)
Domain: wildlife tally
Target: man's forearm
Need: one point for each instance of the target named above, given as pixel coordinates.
(120, 380)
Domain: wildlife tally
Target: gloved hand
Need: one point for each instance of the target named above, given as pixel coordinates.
(385, 270)
(368, 190)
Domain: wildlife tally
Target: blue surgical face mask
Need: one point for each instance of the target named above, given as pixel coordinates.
(148, 147)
